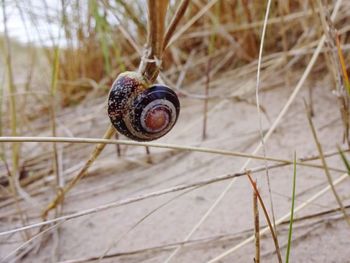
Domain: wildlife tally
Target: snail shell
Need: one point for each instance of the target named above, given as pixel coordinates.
(139, 111)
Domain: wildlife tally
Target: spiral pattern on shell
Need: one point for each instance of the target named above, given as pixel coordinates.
(140, 112)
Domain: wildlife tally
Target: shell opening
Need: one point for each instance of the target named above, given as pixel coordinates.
(157, 119)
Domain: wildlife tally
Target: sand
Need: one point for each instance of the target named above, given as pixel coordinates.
(149, 230)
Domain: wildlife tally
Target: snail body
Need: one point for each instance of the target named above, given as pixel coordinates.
(140, 111)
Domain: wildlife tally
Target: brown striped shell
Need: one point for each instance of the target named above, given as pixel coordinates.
(139, 111)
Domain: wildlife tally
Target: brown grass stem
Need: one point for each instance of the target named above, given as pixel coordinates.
(267, 217)
(60, 194)
(324, 163)
(185, 27)
(142, 219)
(256, 225)
(258, 107)
(152, 59)
(179, 13)
(280, 220)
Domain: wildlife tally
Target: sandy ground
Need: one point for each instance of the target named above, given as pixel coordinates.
(232, 125)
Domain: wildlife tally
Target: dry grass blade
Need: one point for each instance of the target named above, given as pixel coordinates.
(60, 194)
(152, 59)
(344, 159)
(191, 21)
(342, 63)
(29, 241)
(127, 5)
(291, 220)
(333, 36)
(256, 225)
(13, 175)
(122, 236)
(180, 12)
(258, 107)
(280, 220)
(53, 92)
(337, 68)
(324, 163)
(196, 241)
(101, 143)
(267, 217)
(141, 197)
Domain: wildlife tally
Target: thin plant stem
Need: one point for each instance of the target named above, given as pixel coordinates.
(53, 110)
(185, 27)
(60, 194)
(291, 211)
(279, 221)
(179, 13)
(256, 226)
(193, 242)
(152, 58)
(258, 107)
(104, 141)
(145, 196)
(13, 176)
(272, 229)
(122, 236)
(344, 159)
(205, 108)
(324, 163)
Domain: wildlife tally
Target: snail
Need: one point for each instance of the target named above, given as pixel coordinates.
(140, 111)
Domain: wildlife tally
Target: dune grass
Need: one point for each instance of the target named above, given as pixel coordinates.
(203, 46)
(289, 244)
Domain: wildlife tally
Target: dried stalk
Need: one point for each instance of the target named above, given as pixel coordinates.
(103, 142)
(272, 228)
(324, 163)
(258, 169)
(192, 21)
(175, 21)
(256, 226)
(141, 197)
(193, 242)
(205, 108)
(152, 58)
(257, 89)
(291, 220)
(60, 194)
(13, 175)
(280, 220)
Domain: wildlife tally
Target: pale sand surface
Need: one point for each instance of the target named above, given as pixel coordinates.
(232, 125)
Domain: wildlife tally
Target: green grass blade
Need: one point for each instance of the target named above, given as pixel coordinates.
(291, 212)
(345, 160)
(55, 70)
(102, 29)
